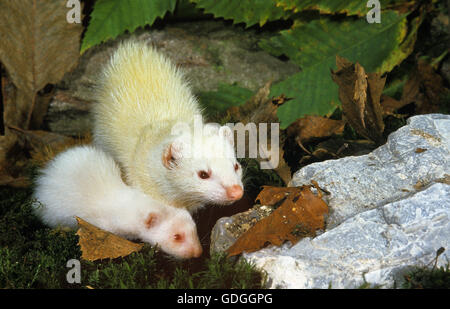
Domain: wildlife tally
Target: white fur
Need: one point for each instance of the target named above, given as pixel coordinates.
(196, 153)
(85, 182)
(141, 97)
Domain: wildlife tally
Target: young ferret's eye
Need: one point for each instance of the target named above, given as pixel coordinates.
(178, 237)
(236, 166)
(204, 174)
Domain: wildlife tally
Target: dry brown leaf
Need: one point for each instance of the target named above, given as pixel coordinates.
(16, 182)
(257, 109)
(262, 109)
(44, 145)
(360, 95)
(424, 88)
(300, 214)
(310, 127)
(270, 196)
(97, 244)
(39, 138)
(390, 105)
(38, 47)
(12, 163)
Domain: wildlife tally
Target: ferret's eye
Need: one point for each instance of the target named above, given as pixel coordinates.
(178, 237)
(204, 174)
(236, 166)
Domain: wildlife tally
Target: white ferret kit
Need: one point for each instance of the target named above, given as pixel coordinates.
(85, 182)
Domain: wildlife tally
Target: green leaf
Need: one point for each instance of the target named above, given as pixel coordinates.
(314, 46)
(111, 18)
(353, 7)
(225, 97)
(243, 11)
(349, 7)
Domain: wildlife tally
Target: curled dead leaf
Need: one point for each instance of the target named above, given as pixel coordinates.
(310, 127)
(360, 95)
(260, 109)
(97, 244)
(300, 214)
(424, 88)
(38, 47)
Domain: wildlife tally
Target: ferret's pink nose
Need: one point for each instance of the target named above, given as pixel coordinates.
(234, 192)
(197, 251)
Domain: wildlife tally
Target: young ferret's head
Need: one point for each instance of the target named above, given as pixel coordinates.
(173, 230)
(202, 168)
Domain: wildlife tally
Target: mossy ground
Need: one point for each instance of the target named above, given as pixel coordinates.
(35, 256)
(428, 278)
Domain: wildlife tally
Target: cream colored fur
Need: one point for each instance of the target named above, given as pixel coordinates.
(141, 96)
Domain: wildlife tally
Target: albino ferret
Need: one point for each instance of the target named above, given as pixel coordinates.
(85, 182)
(142, 100)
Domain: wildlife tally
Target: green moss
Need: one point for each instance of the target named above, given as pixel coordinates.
(35, 256)
(31, 255)
(428, 278)
(152, 269)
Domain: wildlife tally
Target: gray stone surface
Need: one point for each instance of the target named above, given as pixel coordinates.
(228, 229)
(389, 173)
(376, 246)
(210, 53)
(389, 211)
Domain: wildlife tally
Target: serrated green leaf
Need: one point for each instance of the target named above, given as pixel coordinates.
(111, 18)
(314, 46)
(349, 7)
(352, 7)
(243, 11)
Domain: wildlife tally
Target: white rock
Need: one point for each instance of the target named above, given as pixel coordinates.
(389, 211)
(376, 246)
(387, 174)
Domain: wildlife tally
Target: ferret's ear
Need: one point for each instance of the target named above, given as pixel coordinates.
(173, 152)
(227, 133)
(151, 220)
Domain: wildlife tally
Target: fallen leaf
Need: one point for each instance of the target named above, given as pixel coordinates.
(300, 215)
(424, 88)
(259, 108)
(39, 138)
(311, 127)
(12, 163)
(262, 109)
(45, 145)
(38, 47)
(270, 196)
(390, 105)
(16, 182)
(360, 95)
(97, 244)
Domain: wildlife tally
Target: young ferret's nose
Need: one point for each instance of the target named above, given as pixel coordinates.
(234, 192)
(198, 251)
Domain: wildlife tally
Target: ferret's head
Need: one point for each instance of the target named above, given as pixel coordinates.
(203, 168)
(174, 230)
